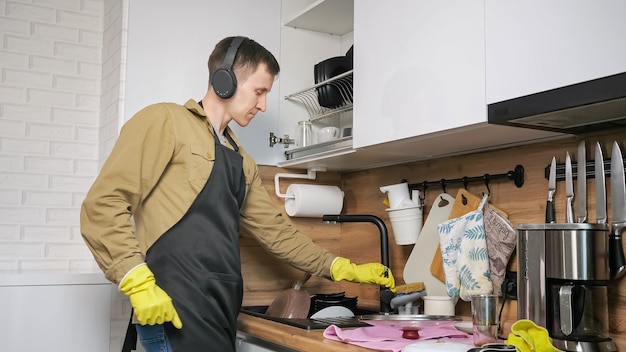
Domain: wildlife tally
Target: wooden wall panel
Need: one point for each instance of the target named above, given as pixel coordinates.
(265, 276)
(524, 205)
(360, 242)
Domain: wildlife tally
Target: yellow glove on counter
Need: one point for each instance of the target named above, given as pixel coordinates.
(151, 304)
(371, 273)
(526, 336)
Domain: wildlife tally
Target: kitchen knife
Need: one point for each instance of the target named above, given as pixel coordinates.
(550, 213)
(617, 264)
(601, 216)
(581, 184)
(569, 190)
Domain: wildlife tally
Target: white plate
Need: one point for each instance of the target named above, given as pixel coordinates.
(332, 312)
(465, 326)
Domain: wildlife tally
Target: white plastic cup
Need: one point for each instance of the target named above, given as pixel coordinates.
(439, 305)
(406, 224)
(398, 195)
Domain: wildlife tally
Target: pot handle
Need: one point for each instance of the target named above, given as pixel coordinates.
(617, 264)
(298, 285)
(565, 309)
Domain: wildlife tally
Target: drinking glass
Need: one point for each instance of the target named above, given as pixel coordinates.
(485, 319)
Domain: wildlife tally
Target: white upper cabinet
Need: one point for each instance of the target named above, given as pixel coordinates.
(419, 84)
(537, 45)
(419, 68)
(324, 16)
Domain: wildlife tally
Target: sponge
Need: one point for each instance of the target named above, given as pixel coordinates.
(408, 288)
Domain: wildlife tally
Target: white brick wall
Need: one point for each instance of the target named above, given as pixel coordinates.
(62, 66)
(51, 74)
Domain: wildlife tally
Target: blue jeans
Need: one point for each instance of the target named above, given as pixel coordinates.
(153, 338)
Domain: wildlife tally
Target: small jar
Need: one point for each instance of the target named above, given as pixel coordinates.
(304, 134)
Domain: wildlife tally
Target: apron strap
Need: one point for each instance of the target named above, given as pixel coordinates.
(130, 340)
(231, 141)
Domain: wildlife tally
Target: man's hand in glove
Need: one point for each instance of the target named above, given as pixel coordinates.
(151, 304)
(371, 273)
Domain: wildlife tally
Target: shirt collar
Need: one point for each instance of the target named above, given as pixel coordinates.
(195, 108)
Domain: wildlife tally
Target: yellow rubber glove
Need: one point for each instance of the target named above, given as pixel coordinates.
(371, 273)
(526, 336)
(151, 304)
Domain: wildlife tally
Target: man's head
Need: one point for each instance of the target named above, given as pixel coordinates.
(248, 55)
(255, 69)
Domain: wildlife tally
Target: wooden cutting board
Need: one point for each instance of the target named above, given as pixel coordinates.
(464, 203)
(416, 268)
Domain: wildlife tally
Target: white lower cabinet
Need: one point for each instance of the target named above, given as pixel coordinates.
(55, 312)
(249, 343)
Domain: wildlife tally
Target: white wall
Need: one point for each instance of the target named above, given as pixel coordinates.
(114, 48)
(61, 96)
(169, 43)
(50, 64)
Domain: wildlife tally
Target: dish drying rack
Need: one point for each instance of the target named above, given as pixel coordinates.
(309, 97)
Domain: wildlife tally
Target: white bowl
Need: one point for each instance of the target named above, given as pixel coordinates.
(439, 305)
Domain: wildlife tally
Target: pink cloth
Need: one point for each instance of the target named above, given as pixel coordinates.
(387, 336)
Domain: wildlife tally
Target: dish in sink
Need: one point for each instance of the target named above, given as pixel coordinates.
(332, 312)
(406, 320)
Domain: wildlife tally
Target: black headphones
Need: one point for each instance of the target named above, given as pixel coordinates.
(224, 81)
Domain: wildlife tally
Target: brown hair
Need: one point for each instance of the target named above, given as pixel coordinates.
(249, 55)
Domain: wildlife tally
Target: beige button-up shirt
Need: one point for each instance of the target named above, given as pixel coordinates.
(162, 159)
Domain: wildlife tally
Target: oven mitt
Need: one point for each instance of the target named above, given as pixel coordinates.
(501, 241)
(464, 254)
(528, 337)
(150, 303)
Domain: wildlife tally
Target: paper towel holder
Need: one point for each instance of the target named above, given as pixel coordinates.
(310, 175)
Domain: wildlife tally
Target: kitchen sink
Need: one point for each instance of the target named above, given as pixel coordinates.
(311, 324)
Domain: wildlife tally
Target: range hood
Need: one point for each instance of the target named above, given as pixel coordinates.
(583, 107)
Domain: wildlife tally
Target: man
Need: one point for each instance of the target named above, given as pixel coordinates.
(181, 174)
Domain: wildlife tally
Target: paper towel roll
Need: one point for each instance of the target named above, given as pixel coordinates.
(313, 200)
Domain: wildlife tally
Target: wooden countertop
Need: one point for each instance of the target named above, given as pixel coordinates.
(308, 340)
(292, 337)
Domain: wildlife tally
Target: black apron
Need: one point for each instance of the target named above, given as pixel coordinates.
(197, 261)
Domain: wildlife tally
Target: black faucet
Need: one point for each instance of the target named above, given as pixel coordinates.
(385, 294)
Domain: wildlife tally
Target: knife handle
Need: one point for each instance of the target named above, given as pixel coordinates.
(550, 213)
(617, 263)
